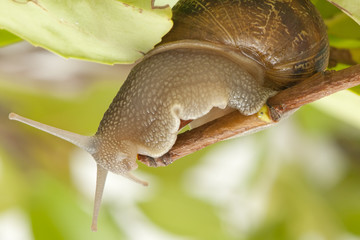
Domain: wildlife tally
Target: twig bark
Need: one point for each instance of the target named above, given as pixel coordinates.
(340, 55)
(312, 89)
(282, 104)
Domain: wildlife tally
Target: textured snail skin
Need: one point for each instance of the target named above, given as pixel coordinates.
(161, 90)
(219, 54)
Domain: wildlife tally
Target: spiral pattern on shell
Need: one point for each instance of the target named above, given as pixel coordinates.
(287, 37)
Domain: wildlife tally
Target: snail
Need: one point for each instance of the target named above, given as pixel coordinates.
(219, 54)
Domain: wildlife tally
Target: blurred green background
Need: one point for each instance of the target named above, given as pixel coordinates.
(298, 180)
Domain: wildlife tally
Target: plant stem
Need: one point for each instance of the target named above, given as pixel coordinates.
(280, 105)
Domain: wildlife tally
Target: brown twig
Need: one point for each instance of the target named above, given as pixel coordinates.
(282, 104)
(312, 89)
(340, 55)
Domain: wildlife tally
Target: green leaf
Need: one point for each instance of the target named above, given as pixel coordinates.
(171, 3)
(326, 9)
(350, 7)
(355, 90)
(106, 31)
(7, 38)
(343, 31)
(343, 27)
(339, 42)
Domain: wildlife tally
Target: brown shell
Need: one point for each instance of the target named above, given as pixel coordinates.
(287, 37)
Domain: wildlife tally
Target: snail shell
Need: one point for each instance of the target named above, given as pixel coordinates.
(286, 37)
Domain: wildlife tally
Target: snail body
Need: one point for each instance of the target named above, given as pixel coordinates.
(219, 54)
